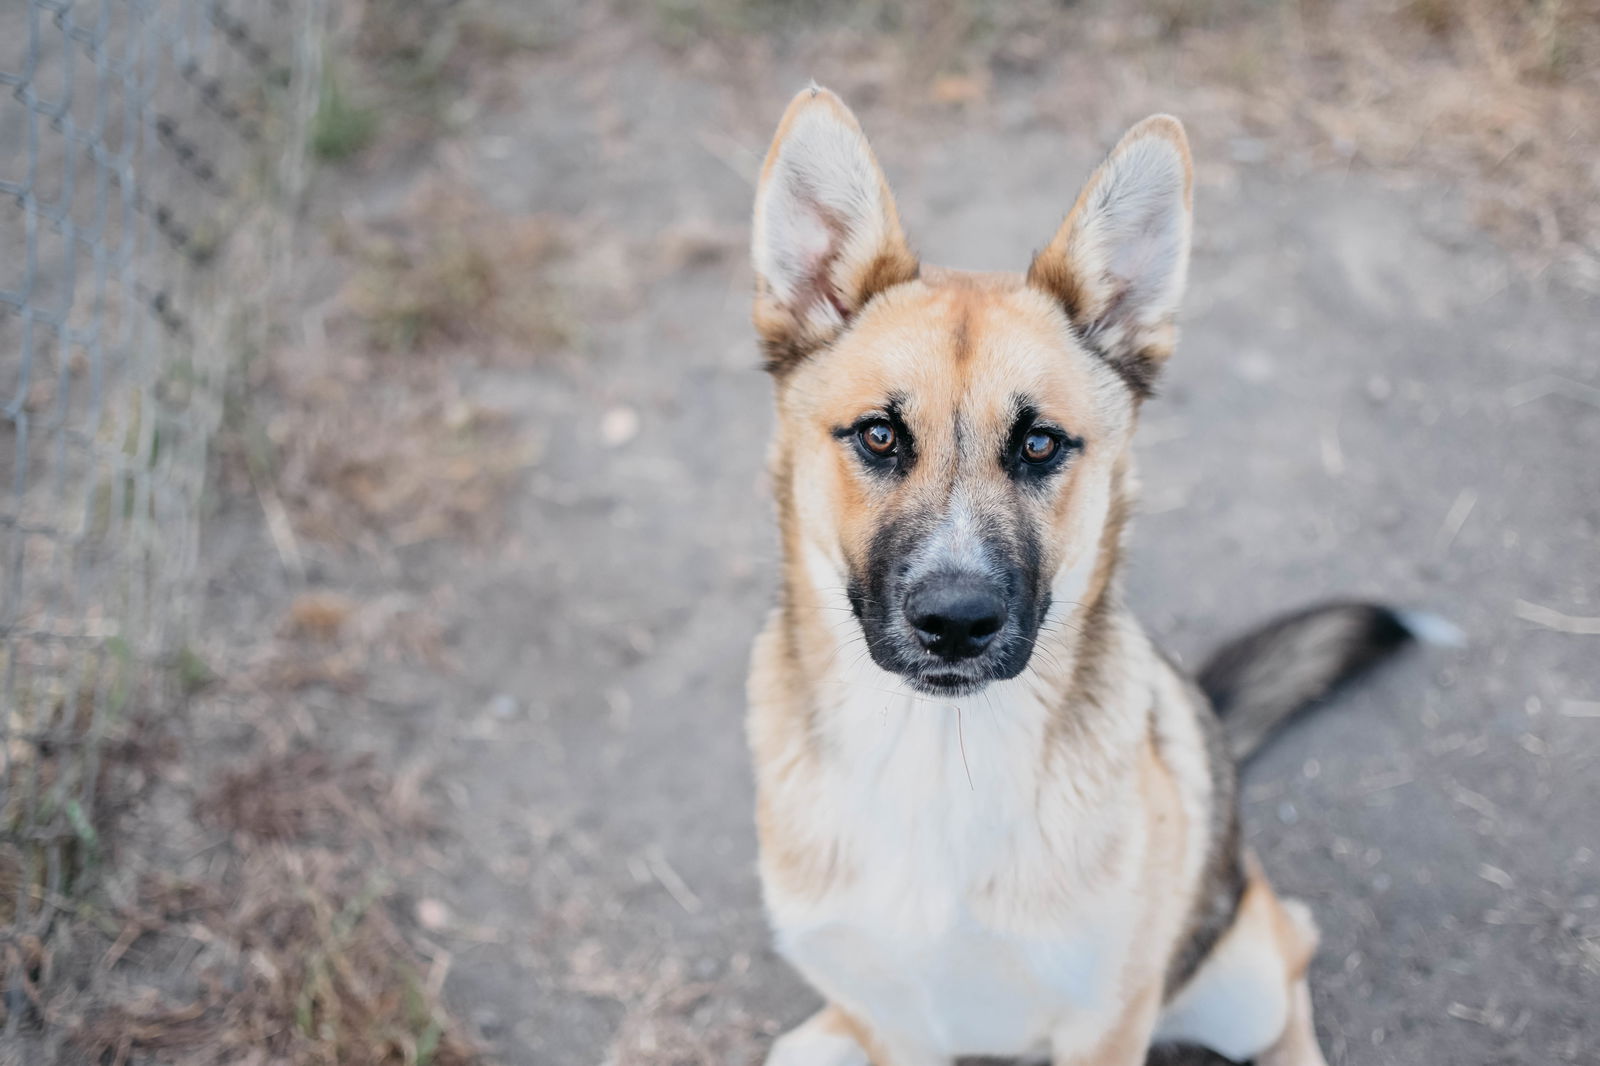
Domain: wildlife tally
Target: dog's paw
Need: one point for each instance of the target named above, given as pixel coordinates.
(817, 1043)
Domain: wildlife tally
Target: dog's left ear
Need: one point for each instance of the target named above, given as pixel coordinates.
(1119, 261)
(826, 237)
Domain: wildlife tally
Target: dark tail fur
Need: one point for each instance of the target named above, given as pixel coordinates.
(1263, 679)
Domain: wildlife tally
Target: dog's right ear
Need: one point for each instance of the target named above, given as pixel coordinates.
(826, 237)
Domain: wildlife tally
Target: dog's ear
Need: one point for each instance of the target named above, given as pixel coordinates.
(1119, 261)
(826, 237)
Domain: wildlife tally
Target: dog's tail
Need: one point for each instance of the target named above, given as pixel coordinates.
(1261, 680)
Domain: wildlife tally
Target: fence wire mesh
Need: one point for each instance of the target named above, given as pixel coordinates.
(145, 148)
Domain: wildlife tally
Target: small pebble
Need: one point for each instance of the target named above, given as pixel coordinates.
(619, 425)
(432, 915)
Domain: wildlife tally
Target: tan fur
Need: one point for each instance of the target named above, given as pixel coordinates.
(1118, 779)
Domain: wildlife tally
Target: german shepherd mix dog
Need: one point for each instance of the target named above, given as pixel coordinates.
(995, 820)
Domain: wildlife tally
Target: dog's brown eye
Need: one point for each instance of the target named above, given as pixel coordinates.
(878, 437)
(1039, 446)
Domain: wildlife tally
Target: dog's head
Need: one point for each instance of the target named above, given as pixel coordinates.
(949, 445)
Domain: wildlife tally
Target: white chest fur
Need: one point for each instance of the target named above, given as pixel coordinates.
(963, 920)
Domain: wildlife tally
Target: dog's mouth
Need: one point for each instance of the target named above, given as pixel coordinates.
(929, 674)
(948, 683)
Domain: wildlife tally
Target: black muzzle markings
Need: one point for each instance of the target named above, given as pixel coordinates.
(949, 622)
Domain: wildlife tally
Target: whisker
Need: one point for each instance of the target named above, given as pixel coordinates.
(961, 740)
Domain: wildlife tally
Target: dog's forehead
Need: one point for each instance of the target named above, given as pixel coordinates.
(970, 344)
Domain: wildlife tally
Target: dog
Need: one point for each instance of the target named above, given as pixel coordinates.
(994, 819)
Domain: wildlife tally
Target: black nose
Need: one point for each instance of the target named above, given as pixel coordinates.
(955, 615)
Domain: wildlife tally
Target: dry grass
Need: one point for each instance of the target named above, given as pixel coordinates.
(450, 271)
(282, 940)
(1501, 98)
(298, 961)
(365, 439)
(1501, 101)
(417, 469)
(286, 946)
(53, 810)
(410, 62)
(305, 795)
(665, 1012)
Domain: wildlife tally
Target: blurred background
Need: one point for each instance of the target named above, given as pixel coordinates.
(384, 523)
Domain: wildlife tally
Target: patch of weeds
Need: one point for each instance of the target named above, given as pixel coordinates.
(74, 763)
(341, 128)
(294, 949)
(419, 56)
(1564, 43)
(1174, 17)
(452, 271)
(400, 67)
(245, 449)
(486, 36)
(416, 472)
(306, 796)
(681, 23)
(406, 35)
(193, 673)
(14, 875)
(25, 966)
(302, 964)
(1438, 17)
(410, 300)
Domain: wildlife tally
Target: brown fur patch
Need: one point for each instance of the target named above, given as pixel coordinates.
(893, 266)
(1051, 272)
(842, 1022)
(1127, 1040)
(800, 868)
(786, 342)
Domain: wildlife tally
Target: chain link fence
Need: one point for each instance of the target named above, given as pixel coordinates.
(148, 151)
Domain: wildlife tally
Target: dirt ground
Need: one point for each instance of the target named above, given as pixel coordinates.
(543, 519)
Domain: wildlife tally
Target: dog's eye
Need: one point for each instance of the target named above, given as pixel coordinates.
(877, 437)
(1040, 447)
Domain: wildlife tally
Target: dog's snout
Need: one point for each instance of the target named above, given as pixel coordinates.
(955, 616)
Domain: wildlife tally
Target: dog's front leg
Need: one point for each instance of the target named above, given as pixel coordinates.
(827, 1038)
(832, 1037)
(1125, 1043)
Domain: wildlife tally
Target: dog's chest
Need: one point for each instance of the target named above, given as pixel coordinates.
(953, 925)
(936, 973)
